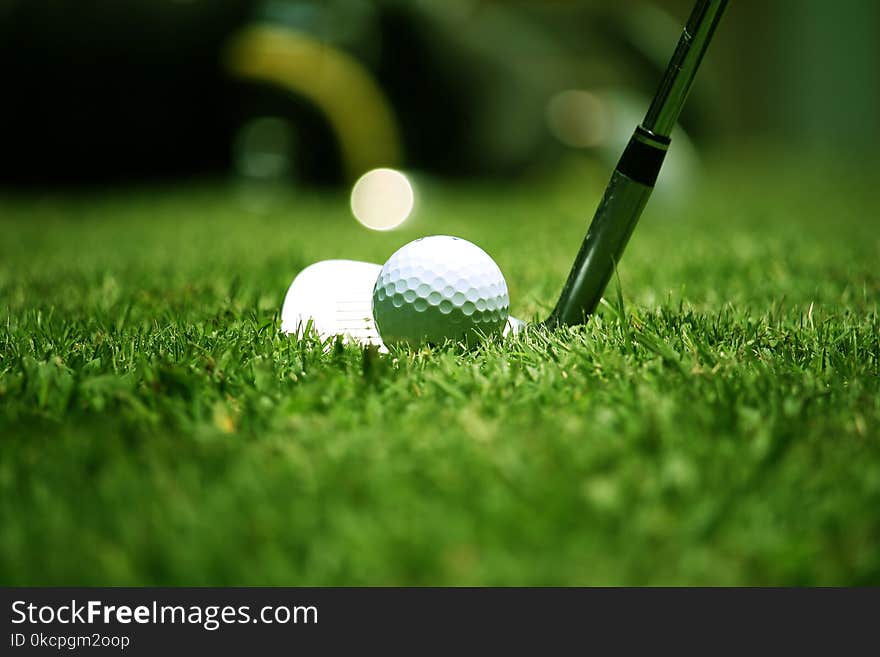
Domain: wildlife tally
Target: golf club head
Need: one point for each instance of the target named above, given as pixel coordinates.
(336, 296)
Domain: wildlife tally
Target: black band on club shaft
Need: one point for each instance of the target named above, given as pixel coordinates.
(643, 157)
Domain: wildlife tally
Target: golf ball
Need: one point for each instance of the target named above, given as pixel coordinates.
(439, 288)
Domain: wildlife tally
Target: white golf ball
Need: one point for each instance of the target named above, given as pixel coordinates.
(439, 288)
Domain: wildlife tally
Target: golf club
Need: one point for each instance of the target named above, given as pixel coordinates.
(635, 174)
(334, 297)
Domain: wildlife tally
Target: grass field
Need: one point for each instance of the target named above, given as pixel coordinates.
(716, 423)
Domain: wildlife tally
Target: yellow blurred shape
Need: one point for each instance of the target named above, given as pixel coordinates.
(224, 420)
(340, 86)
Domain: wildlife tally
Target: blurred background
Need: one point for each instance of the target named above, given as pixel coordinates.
(318, 92)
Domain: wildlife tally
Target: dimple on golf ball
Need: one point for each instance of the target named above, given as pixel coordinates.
(439, 288)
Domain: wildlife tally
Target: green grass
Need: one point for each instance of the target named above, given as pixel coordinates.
(716, 423)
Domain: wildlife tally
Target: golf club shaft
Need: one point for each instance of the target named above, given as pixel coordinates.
(636, 172)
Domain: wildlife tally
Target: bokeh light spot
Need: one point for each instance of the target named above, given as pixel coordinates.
(262, 148)
(578, 118)
(382, 199)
